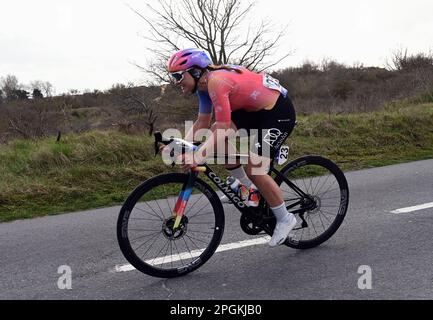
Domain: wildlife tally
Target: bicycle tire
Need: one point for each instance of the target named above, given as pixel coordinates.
(130, 204)
(317, 163)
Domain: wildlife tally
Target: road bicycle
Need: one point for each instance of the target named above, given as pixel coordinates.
(172, 224)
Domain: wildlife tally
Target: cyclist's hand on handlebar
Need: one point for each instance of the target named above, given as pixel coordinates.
(162, 147)
(165, 151)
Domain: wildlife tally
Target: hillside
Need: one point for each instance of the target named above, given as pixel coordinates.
(328, 87)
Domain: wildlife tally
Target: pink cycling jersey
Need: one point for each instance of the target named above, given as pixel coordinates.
(230, 91)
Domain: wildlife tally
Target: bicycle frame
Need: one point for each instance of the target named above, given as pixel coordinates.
(187, 188)
(186, 192)
(224, 188)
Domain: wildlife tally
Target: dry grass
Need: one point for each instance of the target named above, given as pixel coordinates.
(100, 168)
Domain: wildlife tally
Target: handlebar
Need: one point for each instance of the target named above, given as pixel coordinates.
(184, 145)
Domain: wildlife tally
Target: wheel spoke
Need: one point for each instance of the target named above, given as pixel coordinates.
(143, 219)
(148, 235)
(195, 215)
(319, 180)
(323, 184)
(321, 213)
(327, 191)
(154, 214)
(191, 237)
(178, 253)
(147, 204)
(161, 250)
(148, 242)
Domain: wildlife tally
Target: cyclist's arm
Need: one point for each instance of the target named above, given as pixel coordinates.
(219, 90)
(204, 117)
(203, 122)
(217, 138)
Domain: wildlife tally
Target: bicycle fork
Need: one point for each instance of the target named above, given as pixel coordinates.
(184, 196)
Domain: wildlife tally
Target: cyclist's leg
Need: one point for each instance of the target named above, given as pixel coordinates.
(241, 121)
(235, 167)
(231, 150)
(257, 171)
(275, 126)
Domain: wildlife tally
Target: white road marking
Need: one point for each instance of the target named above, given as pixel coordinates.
(196, 253)
(415, 208)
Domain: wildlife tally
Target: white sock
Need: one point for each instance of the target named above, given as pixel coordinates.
(241, 175)
(281, 213)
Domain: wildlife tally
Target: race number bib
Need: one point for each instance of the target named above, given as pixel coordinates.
(273, 84)
(283, 155)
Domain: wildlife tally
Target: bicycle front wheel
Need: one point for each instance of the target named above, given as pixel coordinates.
(145, 227)
(321, 211)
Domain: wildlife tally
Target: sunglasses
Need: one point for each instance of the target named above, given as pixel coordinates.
(178, 76)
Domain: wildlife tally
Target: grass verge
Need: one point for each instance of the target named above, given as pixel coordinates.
(98, 169)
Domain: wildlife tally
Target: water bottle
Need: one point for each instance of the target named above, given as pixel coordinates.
(254, 197)
(233, 183)
(244, 193)
(237, 187)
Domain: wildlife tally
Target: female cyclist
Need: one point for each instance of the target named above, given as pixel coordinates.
(240, 99)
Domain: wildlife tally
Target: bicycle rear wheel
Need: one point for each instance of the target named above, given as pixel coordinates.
(145, 227)
(323, 210)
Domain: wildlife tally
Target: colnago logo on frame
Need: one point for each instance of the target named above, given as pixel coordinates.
(227, 190)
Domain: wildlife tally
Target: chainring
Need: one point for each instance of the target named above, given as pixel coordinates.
(249, 225)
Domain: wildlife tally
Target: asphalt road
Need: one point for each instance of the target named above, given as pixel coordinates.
(396, 248)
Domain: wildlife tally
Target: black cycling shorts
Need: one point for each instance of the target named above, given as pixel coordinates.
(270, 128)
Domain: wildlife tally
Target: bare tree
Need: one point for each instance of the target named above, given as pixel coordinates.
(31, 119)
(9, 85)
(45, 87)
(216, 26)
(48, 89)
(401, 60)
(136, 103)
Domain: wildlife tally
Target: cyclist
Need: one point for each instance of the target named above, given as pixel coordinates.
(240, 99)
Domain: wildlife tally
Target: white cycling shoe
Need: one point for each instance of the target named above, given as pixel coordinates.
(282, 230)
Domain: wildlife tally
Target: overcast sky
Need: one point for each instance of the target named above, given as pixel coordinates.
(91, 44)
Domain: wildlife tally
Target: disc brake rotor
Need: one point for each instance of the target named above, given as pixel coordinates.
(168, 228)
